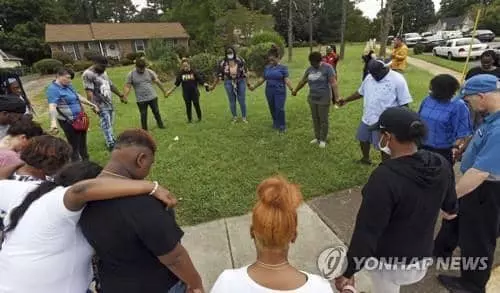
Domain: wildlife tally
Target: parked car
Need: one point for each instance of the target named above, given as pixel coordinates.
(448, 35)
(428, 44)
(411, 39)
(459, 48)
(482, 35)
(426, 34)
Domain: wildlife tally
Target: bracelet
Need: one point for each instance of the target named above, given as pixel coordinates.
(155, 188)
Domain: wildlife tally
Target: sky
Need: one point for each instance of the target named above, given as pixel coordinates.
(370, 8)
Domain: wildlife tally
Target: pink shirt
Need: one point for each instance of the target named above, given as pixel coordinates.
(9, 157)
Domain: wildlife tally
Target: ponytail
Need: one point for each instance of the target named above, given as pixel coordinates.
(18, 212)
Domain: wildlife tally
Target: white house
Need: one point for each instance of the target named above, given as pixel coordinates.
(461, 23)
(9, 61)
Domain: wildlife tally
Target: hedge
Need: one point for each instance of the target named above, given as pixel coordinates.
(64, 57)
(269, 37)
(206, 65)
(48, 66)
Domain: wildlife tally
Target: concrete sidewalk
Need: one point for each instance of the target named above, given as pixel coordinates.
(226, 244)
(433, 68)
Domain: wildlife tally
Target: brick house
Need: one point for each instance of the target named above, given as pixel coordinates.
(111, 39)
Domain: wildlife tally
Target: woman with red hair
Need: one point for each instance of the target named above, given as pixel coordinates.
(274, 228)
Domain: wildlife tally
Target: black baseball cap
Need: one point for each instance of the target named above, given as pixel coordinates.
(398, 121)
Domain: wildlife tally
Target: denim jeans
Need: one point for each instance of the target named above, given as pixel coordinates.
(236, 90)
(106, 120)
(178, 288)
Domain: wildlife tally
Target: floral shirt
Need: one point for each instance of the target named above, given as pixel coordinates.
(224, 70)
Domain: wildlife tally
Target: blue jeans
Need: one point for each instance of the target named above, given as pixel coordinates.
(236, 90)
(178, 288)
(276, 98)
(106, 120)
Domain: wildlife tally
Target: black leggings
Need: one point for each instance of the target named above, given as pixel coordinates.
(77, 140)
(143, 109)
(191, 100)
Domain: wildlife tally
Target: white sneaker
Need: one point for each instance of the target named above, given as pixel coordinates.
(314, 141)
(322, 144)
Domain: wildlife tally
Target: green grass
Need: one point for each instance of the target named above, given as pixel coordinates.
(215, 166)
(441, 61)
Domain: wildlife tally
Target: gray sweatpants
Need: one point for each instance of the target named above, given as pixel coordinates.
(320, 114)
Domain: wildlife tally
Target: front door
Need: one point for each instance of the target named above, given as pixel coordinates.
(112, 49)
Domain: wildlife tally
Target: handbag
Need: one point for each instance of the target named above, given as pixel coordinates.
(81, 121)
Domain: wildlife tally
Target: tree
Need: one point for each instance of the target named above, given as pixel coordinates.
(86, 11)
(264, 6)
(22, 26)
(387, 23)
(454, 8)
(147, 15)
(416, 15)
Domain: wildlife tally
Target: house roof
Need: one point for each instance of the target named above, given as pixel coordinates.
(55, 33)
(8, 57)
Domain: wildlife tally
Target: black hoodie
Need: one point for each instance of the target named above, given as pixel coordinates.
(401, 203)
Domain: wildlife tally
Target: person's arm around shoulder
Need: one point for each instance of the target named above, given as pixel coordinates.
(83, 192)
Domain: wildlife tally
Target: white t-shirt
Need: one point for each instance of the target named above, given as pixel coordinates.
(46, 252)
(238, 280)
(391, 91)
(13, 193)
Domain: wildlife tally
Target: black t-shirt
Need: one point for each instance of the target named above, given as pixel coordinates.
(189, 80)
(478, 70)
(128, 235)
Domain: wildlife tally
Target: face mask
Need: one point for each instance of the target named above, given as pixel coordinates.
(385, 149)
(230, 56)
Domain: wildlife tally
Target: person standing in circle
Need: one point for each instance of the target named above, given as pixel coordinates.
(189, 79)
(401, 203)
(276, 78)
(322, 87)
(233, 71)
(65, 105)
(142, 79)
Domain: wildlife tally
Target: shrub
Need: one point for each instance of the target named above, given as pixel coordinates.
(167, 65)
(257, 59)
(205, 64)
(156, 49)
(269, 37)
(48, 66)
(126, 62)
(113, 61)
(133, 56)
(181, 50)
(82, 65)
(418, 49)
(64, 57)
(90, 55)
(244, 52)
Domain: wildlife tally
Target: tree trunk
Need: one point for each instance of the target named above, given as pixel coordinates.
(343, 24)
(290, 31)
(387, 23)
(310, 27)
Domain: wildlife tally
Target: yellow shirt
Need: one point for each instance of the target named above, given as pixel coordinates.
(399, 57)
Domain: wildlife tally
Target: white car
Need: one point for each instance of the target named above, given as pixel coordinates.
(411, 39)
(459, 48)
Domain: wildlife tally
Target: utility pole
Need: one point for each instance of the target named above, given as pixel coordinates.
(290, 31)
(310, 27)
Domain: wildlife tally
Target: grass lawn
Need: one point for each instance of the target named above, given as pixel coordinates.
(215, 166)
(450, 64)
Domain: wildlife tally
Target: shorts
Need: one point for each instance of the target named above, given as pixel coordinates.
(366, 135)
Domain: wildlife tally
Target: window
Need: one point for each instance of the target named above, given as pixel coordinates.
(170, 43)
(140, 46)
(70, 49)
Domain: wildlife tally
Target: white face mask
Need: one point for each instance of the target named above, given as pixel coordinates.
(384, 149)
(230, 56)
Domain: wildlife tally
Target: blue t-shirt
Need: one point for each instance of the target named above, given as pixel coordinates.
(483, 153)
(446, 121)
(275, 76)
(66, 99)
